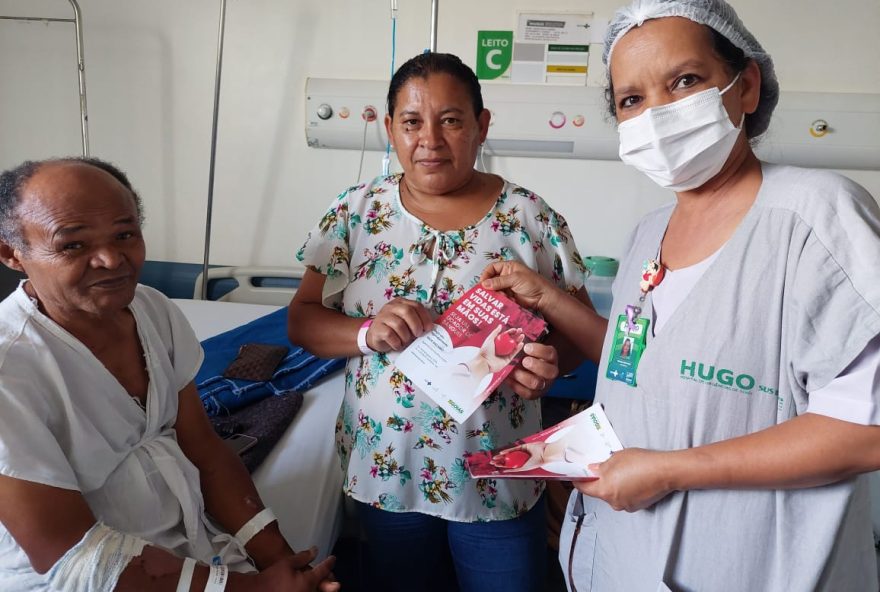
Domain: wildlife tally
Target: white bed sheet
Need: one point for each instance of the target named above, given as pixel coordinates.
(301, 479)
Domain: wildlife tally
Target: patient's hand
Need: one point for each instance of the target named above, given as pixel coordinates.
(295, 574)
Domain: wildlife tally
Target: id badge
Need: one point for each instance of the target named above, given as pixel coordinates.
(627, 349)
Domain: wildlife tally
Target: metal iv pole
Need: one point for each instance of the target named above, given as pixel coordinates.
(220, 36)
(80, 64)
(434, 10)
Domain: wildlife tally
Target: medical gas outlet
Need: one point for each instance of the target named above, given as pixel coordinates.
(819, 128)
(325, 111)
(369, 113)
(557, 119)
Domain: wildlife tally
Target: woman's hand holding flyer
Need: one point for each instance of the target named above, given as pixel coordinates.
(470, 350)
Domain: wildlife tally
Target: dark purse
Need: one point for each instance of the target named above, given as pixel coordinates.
(255, 361)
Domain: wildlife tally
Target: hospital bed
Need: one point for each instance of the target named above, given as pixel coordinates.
(301, 479)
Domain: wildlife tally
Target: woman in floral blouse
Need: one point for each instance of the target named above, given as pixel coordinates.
(398, 251)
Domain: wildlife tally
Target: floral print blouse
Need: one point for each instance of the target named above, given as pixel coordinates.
(400, 451)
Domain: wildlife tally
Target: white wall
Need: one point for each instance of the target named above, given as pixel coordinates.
(150, 70)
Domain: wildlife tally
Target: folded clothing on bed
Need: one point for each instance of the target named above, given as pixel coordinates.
(298, 371)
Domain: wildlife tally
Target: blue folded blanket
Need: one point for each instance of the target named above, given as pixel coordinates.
(299, 370)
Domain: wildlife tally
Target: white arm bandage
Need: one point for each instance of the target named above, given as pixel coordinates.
(260, 521)
(95, 563)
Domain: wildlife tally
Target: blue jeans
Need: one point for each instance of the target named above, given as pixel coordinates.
(411, 551)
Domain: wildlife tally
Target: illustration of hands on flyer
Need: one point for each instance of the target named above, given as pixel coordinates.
(562, 452)
(471, 349)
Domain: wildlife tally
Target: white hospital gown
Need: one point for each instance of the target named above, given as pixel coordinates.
(67, 422)
(400, 451)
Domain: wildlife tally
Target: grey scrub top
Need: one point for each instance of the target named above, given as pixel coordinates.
(790, 301)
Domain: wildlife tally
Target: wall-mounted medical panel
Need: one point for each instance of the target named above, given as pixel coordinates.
(549, 121)
(832, 130)
(345, 113)
(527, 120)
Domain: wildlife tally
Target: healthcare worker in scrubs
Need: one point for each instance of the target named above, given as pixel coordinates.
(748, 402)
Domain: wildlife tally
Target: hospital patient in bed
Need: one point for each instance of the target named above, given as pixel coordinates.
(108, 464)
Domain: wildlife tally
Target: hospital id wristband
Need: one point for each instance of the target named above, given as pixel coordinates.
(186, 575)
(218, 577)
(261, 520)
(362, 339)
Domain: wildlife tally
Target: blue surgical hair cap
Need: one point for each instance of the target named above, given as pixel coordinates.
(720, 16)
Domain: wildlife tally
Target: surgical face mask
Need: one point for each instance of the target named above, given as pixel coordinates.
(683, 144)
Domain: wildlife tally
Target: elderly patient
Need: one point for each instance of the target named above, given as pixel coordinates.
(108, 463)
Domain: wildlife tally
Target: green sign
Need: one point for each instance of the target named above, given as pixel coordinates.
(494, 53)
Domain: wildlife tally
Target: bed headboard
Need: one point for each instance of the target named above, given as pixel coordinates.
(256, 284)
(9, 280)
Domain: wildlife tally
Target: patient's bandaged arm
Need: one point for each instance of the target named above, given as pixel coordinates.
(95, 563)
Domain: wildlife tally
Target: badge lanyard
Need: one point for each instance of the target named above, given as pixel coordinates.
(631, 331)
